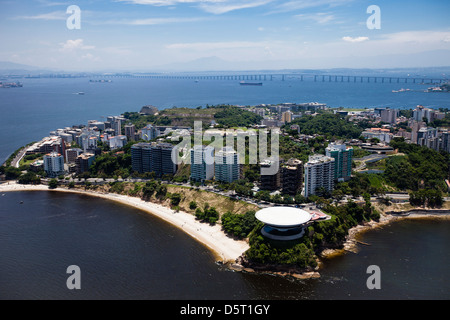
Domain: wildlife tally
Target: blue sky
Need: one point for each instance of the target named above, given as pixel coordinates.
(252, 34)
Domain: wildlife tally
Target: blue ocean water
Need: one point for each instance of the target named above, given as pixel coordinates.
(45, 104)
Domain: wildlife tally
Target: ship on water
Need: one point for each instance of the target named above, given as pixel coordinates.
(243, 83)
(11, 84)
(101, 81)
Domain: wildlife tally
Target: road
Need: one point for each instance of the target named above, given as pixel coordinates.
(16, 161)
(404, 196)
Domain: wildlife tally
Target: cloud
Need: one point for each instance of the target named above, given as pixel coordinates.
(48, 3)
(89, 56)
(167, 2)
(55, 15)
(210, 6)
(417, 37)
(320, 17)
(227, 6)
(157, 21)
(304, 4)
(72, 45)
(357, 39)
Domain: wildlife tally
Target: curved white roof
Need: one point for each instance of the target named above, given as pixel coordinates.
(283, 216)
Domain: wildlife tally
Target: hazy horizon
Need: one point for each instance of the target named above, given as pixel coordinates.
(210, 35)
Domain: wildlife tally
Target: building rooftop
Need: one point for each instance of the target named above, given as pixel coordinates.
(85, 156)
(284, 217)
(318, 158)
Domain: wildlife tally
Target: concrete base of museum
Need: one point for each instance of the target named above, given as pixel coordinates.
(282, 233)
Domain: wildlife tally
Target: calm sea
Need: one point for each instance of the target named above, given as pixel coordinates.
(126, 254)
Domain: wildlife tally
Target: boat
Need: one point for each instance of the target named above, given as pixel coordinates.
(435, 89)
(11, 85)
(243, 83)
(81, 93)
(401, 90)
(101, 81)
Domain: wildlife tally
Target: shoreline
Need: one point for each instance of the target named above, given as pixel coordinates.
(352, 239)
(227, 250)
(224, 248)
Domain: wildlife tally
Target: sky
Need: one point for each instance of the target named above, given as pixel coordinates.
(153, 35)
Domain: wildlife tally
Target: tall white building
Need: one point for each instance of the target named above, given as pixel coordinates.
(54, 164)
(149, 132)
(117, 142)
(226, 165)
(319, 173)
(421, 112)
(202, 163)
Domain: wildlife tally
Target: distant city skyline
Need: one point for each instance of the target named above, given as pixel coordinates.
(188, 35)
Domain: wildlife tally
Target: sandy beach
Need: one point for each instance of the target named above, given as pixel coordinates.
(225, 248)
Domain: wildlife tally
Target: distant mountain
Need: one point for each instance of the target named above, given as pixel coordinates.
(6, 66)
(201, 64)
(437, 59)
(429, 63)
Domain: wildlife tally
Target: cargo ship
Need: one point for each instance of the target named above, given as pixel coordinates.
(243, 83)
(101, 81)
(11, 85)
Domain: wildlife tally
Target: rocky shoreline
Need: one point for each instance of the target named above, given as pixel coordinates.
(242, 265)
(350, 245)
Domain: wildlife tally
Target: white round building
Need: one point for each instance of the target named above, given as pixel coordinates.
(283, 223)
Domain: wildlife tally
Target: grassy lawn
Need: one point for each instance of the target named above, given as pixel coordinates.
(221, 203)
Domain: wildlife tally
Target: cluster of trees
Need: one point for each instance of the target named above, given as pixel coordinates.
(29, 178)
(53, 184)
(298, 254)
(154, 187)
(139, 120)
(239, 225)
(424, 197)
(360, 184)
(208, 214)
(421, 168)
(10, 172)
(112, 164)
(231, 116)
(292, 149)
(328, 125)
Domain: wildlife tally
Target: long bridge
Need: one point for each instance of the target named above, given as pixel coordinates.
(284, 77)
